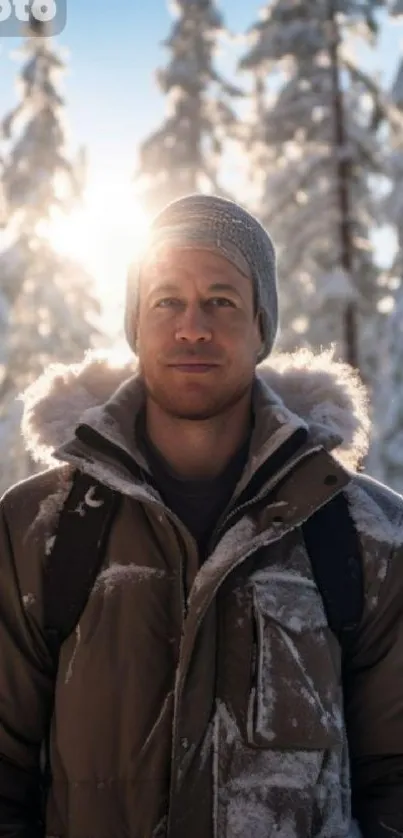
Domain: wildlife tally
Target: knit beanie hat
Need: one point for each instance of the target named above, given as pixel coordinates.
(213, 223)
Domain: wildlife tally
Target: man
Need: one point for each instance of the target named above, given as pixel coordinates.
(201, 692)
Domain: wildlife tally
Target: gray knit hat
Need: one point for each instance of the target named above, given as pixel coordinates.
(213, 223)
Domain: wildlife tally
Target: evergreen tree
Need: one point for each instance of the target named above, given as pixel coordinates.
(314, 153)
(395, 8)
(47, 309)
(394, 201)
(183, 155)
(386, 454)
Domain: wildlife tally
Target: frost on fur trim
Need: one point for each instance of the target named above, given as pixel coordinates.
(328, 394)
(55, 402)
(325, 393)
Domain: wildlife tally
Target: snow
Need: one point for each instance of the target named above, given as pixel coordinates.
(264, 696)
(283, 774)
(228, 726)
(161, 829)
(182, 155)
(51, 506)
(307, 684)
(372, 522)
(396, 8)
(387, 450)
(252, 818)
(397, 91)
(48, 310)
(255, 801)
(290, 142)
(267, 576)
(28, 600)
(69, 671)
(49, 544)
(117, 575)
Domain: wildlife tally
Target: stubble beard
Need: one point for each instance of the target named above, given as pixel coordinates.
(195, 406)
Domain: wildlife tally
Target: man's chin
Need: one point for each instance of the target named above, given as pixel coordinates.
(194, 405)
(193, 413)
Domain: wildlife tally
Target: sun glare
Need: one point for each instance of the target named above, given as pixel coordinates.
(104, 235)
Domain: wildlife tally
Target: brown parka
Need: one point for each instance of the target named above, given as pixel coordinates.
(202, 702)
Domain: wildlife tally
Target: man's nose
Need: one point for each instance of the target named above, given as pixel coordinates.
(193, 325)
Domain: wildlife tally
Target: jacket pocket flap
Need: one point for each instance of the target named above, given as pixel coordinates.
(290, 600)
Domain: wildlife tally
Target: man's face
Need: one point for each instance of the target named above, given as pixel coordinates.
(198, 336)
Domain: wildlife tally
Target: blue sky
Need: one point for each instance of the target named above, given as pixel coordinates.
(110, 87)
(113, 100)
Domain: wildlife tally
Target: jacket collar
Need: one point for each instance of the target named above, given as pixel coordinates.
(85, 415)
(316, 391)
(104, 444)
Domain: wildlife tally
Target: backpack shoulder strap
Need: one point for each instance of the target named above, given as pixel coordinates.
(76, 555)
(334, 550)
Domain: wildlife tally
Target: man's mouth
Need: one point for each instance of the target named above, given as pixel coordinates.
(194, 366)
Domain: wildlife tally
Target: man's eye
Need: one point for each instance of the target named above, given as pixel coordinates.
(167, 302)
(222, 302)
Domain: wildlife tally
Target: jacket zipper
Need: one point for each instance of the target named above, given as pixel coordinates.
(219, 531)
(254, 676)
(182, 575)
(222, 527)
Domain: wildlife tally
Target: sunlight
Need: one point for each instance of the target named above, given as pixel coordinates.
(104, 235)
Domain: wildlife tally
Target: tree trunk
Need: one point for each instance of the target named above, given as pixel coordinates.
(343, 180)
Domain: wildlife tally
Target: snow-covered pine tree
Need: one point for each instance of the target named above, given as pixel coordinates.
(47, 308)
(385, 460)
(183, 155)
(312, 142)
(395, 8)
(394, 201)
(386, 454)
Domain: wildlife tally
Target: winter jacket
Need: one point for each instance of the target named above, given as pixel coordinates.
(202, 701)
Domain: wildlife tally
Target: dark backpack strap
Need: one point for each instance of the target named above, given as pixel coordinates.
(77, 553)
(334, 550)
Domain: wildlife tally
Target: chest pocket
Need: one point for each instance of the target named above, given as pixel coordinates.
(295, 700)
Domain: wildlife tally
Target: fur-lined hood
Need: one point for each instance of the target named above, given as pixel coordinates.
(326, 394)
